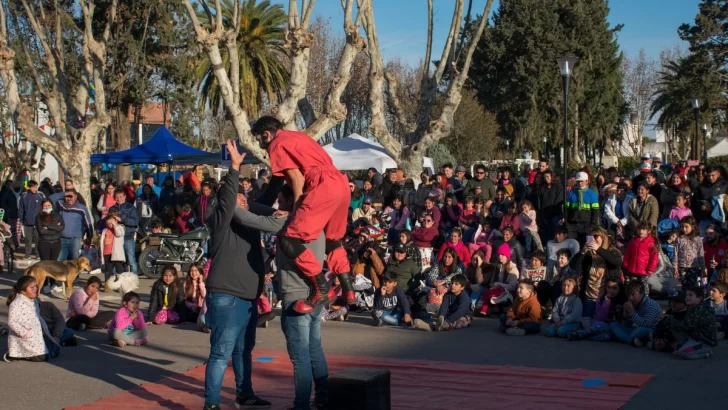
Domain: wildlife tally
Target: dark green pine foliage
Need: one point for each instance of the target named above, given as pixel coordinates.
(516, 74)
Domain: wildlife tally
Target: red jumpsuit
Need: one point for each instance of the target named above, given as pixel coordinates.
(324, 205)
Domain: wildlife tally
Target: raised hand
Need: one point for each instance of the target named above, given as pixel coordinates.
(236, 158)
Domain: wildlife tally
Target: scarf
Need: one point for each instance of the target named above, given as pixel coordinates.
(595, 281)
(166, 294)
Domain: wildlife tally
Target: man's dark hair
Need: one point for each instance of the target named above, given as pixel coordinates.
(561, 229)
(636, 285)
(149, 176)
(623, 186)
(373, 169)
(246, 179)
(69, 180)
(698, 291)
(461, 279)
(564, 251)
(540, 255)
(117, 191)
(156, 224)
(480, 167)
(263, 172)
(266, 123)
(448, 165)
(642, 184)
(501, 189)
(389, 276)
(652, 174)
(32, 183)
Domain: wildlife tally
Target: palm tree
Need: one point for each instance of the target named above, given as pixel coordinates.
(263, 72)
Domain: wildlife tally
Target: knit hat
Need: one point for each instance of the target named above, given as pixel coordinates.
(504, 250)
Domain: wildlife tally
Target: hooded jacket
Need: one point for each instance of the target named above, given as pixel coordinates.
(584, 210)
(641, 257)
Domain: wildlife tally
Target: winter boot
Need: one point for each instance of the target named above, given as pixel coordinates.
(347, 288)
(320, 293)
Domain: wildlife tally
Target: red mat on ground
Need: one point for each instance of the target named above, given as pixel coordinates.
(416, 384)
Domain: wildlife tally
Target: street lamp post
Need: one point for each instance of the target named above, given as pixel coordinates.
(545, 153)
(705, 137)
(694, 146)
(566, 65)
(508, 143)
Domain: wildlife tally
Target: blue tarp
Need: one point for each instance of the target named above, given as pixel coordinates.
(162, 148)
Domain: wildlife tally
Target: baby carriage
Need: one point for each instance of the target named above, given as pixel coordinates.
(7, 255)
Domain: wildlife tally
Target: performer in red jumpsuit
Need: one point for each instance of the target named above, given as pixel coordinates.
(322, 198)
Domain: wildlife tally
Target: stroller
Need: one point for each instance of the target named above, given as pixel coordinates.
(7, 246)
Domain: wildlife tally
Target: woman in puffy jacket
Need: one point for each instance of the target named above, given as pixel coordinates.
(642, 254)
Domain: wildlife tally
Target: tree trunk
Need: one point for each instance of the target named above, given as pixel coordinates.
(121, 127)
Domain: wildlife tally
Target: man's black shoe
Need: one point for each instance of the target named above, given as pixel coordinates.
(212, 407)
(251, 402)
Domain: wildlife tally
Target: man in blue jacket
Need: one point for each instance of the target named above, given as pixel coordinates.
(130, 220)
(28, 210)
(78, 225)
(581, 209)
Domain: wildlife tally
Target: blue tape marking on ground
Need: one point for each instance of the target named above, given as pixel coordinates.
(591, 383)
(264, 359)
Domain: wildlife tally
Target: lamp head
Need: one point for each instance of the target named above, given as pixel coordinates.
(566, 64)
(695, 103)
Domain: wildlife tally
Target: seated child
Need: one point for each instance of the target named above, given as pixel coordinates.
(608, 310)
(566, 315)
(391, 305)
(455, 310)
(166, 298)
(194, 293)
(641, 315)
(536, 272)
(524, 317)
(128, 327)
(719, 305)
(557, 273)
(668, 245)
(482, 239)
(690, 332)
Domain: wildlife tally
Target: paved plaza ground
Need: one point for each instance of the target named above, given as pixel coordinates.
(94, 369)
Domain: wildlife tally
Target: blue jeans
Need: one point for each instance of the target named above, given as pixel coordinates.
(232, 322)
(628, 333)
(589, 308)
(70, 249)
(390, 317)
(563, 330)
(475, 295)
(303, 340)
(130, 253)
(53, 349)
(530, 328)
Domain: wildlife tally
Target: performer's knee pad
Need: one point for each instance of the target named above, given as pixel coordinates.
(291, 247)
(331, 245)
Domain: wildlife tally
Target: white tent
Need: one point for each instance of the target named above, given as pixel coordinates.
(718, 150)
(357, 153)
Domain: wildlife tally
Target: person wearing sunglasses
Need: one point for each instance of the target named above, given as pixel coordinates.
(78, 225)
(480, 179)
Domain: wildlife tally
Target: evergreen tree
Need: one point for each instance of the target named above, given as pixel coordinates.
(516, 75)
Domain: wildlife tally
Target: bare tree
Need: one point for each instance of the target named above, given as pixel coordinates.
(422, 132)
(66, 97)
(640, 79)
(298, 41)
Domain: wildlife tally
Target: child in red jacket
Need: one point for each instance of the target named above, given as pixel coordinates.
(642, 255)
(457, 244)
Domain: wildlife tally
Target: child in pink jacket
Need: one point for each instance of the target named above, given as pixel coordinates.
(128, 326)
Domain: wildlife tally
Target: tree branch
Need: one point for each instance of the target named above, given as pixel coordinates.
(399, 114)
(428, 52)
(199, 30)
(334, 111)
(378, 126)
(7, 66)
(110, 21)
(292, 15)
(454, 28)
(307, 15)
(444, 125)
(219, 28)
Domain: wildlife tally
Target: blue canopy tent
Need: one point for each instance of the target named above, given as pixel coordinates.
(162, 148)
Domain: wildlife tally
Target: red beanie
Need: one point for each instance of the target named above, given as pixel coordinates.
(504, 250)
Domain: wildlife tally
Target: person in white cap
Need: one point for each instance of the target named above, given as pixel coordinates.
(644, 159)
(656, 163)
(581, 209)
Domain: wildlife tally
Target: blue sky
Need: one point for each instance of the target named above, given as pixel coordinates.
(402, 24)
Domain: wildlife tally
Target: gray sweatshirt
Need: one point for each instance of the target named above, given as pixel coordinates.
(292, 287)
(567, 309)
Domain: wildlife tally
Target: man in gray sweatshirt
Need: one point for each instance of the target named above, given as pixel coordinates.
(234, 282)
(302, 331)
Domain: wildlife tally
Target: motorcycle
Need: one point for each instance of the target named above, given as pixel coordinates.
(164, 249)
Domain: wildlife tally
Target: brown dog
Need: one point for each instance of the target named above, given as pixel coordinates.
(65, 271)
